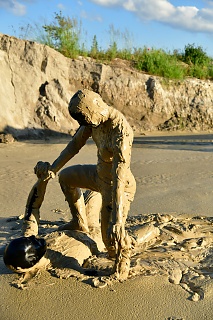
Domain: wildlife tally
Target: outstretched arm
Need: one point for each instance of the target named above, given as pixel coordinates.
(45, 172)
(73, 147)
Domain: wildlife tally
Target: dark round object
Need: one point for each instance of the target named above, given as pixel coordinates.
(24, 252)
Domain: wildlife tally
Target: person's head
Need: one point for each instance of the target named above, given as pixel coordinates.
(88, 108)
(23, 253)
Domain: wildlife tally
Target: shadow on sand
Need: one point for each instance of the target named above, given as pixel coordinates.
(192, 142)
(197, 142)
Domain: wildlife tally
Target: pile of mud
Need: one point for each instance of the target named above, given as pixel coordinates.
(173, 246)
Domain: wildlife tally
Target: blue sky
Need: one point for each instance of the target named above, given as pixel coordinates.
(166, 24)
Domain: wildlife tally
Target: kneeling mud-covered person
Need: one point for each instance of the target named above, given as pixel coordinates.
(111, 177)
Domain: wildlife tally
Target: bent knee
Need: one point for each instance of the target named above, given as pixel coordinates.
(70, 176)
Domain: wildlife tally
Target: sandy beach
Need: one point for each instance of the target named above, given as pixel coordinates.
(174, 175)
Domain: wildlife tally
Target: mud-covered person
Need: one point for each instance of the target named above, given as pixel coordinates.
(111, 177)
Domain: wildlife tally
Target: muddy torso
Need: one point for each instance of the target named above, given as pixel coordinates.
(104, 137)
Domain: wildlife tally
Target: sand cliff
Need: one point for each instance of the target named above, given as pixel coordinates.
(37, 83)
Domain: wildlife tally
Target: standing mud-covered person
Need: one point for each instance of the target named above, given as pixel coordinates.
(111, 177)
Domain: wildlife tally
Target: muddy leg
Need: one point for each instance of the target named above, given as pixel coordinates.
(71, 180)
(75, 199)
(93, 203)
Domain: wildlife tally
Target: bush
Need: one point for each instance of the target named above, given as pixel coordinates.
(195, 55)
(210, 70)
(198, 71)
(160, 63)
(63, 35)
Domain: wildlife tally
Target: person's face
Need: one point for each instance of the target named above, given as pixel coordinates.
(85, 120)
(80, 118)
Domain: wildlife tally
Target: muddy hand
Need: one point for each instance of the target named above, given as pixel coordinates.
(120, 240)
(116, 234)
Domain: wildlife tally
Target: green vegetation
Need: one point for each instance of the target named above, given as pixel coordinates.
(65, 35)
(160, 63)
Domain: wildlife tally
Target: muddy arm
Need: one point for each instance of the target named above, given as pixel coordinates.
(73, 147)
(118, 235)
(45, 172)
(36, 198)
(120, 167)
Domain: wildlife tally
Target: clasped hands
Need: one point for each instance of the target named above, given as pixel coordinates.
(43, 171)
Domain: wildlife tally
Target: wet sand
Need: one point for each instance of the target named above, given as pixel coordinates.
(174, 176)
